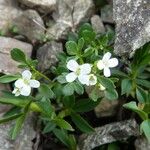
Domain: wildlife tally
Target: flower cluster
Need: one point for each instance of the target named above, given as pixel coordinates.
(23, 85)
(83, 72)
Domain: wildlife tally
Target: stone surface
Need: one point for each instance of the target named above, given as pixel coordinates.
(97, 24)
(30, 25)
(23, 141)
(46, 54)
(8, 12)
(107, 14)
(109, 133)
(106, 108)
(69, 15)
(44, 6)
(132, 25)
(7, 44)
(142, 143)
(4, 108)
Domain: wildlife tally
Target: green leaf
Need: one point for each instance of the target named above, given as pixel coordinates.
(141, 95)
(14, 101)
(71, 47)
(111, 94)
(78, 88)
(46, 108)
(68, 89)
(80, 44)
(107, 83)
(126, 86)
(8, 78)
(9, 118)
(69, 101)
(132, 106)
(84, 27)
(85, 105)
(88, 36)
(145, 127)
(88, 51)
(62, 136)
(49, 127)
(81, 123)
(19, 122)
(18, 55)
(94, 95)
(17, 127)
(144, 83)
(46, 92)
(61, 79)
(63, 124)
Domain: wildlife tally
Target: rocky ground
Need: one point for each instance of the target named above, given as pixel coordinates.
(41, 27)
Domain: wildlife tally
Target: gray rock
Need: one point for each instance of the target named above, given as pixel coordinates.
(97, 24)
(109, 133)
(132, 25)
(46, 54)
(107, 14)
(106, 108)
(69, 15)
(7, 44)
(44, 6)
(142, 143)
(23, 141)
(30, 25)
(8, 12)
(4, 108)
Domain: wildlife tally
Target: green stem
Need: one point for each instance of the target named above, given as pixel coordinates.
(40, 74)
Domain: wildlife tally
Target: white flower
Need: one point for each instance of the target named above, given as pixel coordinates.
(90, 79)
(78, 71)
(23, 85)
(107, 63)
(101, 87)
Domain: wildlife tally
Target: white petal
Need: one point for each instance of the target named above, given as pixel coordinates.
(70, 77)
(72, 65)
(34, 83)
(84, 79)
(85, 69)
(100, 65)
(25, 90)
(106, 56)
(26, 75)
(107, 72)
(113, 62)
(101, 87)
(16, 91)
(19, 83)
(92, 79)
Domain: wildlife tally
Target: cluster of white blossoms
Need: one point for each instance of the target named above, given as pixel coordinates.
(83, 72)
(23, 85)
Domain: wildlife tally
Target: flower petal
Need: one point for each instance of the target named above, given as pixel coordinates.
(34, 83)
(92, 79)
(84, 79)
(107, 72)
(113, 62)
(72, 65)
(100, 65)
(16, 91)
(70, 77)
(101, 87)
(25, 90)
(26, 75)
(106, 56)
(85, 69)
(19, 83)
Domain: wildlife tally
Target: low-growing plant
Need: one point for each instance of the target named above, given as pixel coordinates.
(86, 72)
